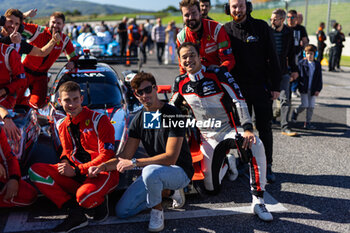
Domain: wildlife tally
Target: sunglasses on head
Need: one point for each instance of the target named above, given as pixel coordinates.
(146, 90)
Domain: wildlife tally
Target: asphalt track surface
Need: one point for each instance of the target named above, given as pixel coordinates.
(312, 192)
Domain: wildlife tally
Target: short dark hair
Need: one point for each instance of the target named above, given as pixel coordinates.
(15, 12)
(335, 25)
(322, 24)
(189, 3)
(58, 14)
(310, 48)
(293, 12)
(205, 1)
(141, 77)
(186, 45)
(279, 12)
(69, 86)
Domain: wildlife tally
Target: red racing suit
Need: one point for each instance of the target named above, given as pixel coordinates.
(93, 146)
(12, 77)
(26, 193)
(36, 68)
(211, 95)
(214, 44)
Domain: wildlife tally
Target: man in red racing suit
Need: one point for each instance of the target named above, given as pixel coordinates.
(211, 94)
(87, 139)
(211, 37)
(14, 190)
(12, 78)
(36, 68)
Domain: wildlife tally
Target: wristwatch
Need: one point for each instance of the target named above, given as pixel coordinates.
(133, 160)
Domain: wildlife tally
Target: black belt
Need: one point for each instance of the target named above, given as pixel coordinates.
(35, 73)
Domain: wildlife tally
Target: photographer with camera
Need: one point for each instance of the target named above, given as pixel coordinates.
(212, 93)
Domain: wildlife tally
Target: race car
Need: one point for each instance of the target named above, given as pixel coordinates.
(104, 91)
(102, 46)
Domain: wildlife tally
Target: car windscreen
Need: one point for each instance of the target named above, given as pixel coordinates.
(100, 89)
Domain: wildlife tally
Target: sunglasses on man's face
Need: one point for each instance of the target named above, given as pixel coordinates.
(146, 90)
(291, 17)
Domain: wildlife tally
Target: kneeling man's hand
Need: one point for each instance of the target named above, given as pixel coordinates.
(124, 165)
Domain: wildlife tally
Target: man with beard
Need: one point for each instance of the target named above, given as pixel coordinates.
(285, 50)
(36, 67)
(257, 69)
(205, 6)
(210, 36)
(9, 35)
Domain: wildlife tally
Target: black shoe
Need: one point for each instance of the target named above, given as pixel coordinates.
(101, 211)
(294, 117)
(270, 176)
(309, 126)
(76, 219)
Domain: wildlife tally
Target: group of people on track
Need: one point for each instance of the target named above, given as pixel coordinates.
(227, 72)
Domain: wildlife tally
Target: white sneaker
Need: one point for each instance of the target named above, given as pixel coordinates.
(295, 94)
(259, 208)
(233, 172)
(156, 221)
(178, 198)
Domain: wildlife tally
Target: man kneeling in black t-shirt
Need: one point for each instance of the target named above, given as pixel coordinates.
(169, 165)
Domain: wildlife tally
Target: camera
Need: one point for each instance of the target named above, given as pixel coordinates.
(245, 154)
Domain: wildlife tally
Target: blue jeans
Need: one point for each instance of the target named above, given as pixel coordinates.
(146, 191)
(285, 100)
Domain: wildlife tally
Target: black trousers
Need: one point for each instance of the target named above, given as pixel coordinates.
(123, 42)
(259, 100)
(333, 57)
(320, 50)
(160, 51)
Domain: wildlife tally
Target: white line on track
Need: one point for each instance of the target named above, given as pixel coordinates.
(18, 221)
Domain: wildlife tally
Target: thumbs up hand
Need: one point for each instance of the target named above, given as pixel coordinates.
(15, 36)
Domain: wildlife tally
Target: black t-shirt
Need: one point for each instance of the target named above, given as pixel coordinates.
(154, 140)
(299, 32)
(123, 35)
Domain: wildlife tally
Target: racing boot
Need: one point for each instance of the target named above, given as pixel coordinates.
(101, 212)
(259, 208)
(232, 172)
(76, 219)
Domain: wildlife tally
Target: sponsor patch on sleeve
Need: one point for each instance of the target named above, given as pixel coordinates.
(223, 44)
(109, 146)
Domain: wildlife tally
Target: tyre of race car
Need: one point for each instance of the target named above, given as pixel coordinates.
(219, 158)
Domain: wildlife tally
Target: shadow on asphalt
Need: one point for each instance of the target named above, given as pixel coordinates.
(324, 206)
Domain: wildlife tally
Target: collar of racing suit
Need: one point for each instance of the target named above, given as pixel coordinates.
(197, 76)
(81, 116)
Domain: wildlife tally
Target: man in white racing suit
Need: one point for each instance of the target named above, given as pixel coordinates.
(211, 94)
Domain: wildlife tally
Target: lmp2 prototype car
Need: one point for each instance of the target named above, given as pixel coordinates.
(103, 91)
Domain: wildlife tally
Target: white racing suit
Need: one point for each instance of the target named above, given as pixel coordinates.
(211, 94)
